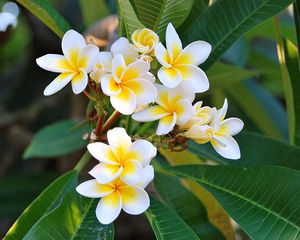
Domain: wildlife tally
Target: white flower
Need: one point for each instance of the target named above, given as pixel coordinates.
(128, 85)
(78, 60)
(127, 50)
(179, 66)
(174, 107)
(116, 196)
(121, 158)
(145, 40)
(8, 16)
(219, 133)
(102, 67)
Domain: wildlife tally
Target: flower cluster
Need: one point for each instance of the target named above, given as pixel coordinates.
(126, 77)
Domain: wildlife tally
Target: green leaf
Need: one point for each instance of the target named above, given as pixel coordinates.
(57, 139)
(166, 224)
(256, 150)
(47, 14)
(187, 205)
(74, 218)
(291, 61)
(44, 203)
(263, 201)
(156, 14)
(129, 18)
(226, 21)
(93, 10)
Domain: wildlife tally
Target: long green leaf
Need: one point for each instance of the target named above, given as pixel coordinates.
(187, 205)
(47, 14)
(256, 150)
(74, 219)
(263, 201)
(129, 17)
(156, 14)
(226, 21)
(45, 202)
(57, 139)
(166, 224)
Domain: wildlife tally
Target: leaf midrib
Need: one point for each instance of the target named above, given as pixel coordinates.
(159, 16)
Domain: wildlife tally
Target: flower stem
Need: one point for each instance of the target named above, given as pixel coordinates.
(89, 96)
(112, 119)
(99, 125)
(83, 161)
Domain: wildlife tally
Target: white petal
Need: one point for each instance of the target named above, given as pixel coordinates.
(109, 85)
(122, 46)
(148, 175)
(162, 55)
(54, 63)
(11, 7)
(105, 173)
(173, 42)
(135, 200)
(105, 60)
(132, 172)
(184, 111)
(142, 151)
(102, 152)
(170, 77)
(166, 124)
(119, 140)
(222, 112)
(151, 114)
(180, 92)
(194, 79)
(201, 134)
(7, 19)
(135, 69)
(80, 81)
(195, 53)
(58, 83)
(88, 57)
(93, 189)
(109, 208)
(144, 90)
(150, 77)
(72, 41)
(118, 67)
(232, 126)
(226, 146)
(124, 102)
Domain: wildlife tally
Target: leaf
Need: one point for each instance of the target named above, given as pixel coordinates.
(256, 150)
(166, 224)
(57, 139)
(129, 18)
(291, 62)
(47, 14)
(263, 212)
(93, 10)
(157, 14)
(74, 218)
(261, 107)
(226, 21)
(222, 74)
(45, 202)
(187, 205)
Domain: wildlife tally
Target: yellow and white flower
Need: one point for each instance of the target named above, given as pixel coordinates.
(116, 196)
(78, 60)
(102, 67)
(121, 158)
(128, 85)
(145, 40)
(219, 133)
(174, 107)
(179, 66)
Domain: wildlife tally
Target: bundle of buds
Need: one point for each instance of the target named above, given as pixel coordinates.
(130, 79)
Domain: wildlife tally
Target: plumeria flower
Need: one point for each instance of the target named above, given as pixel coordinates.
(102, 67)
(219, 133)
(8, 16)
(174, 107)
(116, 195)
(127, 50)
(201, 115)
(121, 158)
(78, 60)
(128, 85)
(179, 66)
(145, 40)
